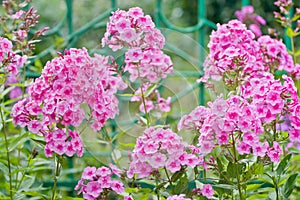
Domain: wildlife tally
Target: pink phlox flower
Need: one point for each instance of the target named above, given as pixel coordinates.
(250, 138)
(89, 173)
(195, 118)
(207, 191)
(93, 188)
(115, 170)
(103, 171)
(260, 149)
(243, 148)
(117, 186)
(274, 152)
(219, 106)
(178, 197)
(128, 198)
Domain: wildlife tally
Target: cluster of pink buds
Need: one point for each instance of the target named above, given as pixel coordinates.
(24, 21)
(10, 61)
(153, 100)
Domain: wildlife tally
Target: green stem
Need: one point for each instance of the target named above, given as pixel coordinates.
(55, 177)
(157, 191)
(293, 49)
(236, 169)
(170, 181)
(23, 175)
(276, 189)
(7, 153)
(143, 100)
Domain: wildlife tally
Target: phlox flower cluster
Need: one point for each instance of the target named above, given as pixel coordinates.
(132, 29)
(273, 100)
(229, 121)
(254, 21)
(57, 98)
(160, 148)
(269, 100)
(97, 183)
(233, 50)
(10, 61)
(235, 54)
(135, 31)
(149, 64)
(269, 96)
(275, 55)
(153, 100)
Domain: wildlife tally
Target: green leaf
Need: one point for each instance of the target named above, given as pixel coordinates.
(124, 146)
(220, 165)
(289, 185)
(38, 63)
(295, 18)
(27, 183)
(40, 142)
(150, 89)
(58, 41)
(297, 53)
(17, 141)
(233, 168)
(257, 196)
(177, 175)
(290, 32)
(127, 95)
(131, 190)
(224, 186)
(182, 185)
(3, 168)
(283, 164)
(253, 187)
(2, 79)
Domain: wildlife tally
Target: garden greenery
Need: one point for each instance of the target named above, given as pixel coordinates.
(245, 142)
